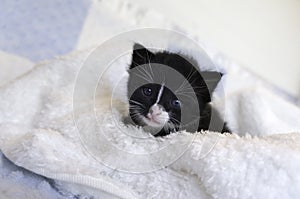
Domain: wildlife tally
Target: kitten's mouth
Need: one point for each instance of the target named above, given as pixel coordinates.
(155, 121)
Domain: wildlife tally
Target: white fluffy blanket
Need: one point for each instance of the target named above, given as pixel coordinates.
(38, 132)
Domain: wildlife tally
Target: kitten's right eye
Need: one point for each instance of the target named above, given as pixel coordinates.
(176, 103)
(147, 91)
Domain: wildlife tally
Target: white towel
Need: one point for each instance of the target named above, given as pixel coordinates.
(37, 129)
(39, 134)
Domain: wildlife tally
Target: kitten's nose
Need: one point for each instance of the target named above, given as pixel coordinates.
(156, 109)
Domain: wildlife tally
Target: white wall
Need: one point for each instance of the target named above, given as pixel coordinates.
(262, 35)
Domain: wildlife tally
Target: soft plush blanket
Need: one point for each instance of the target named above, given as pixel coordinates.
(81, 148)
(41, 132)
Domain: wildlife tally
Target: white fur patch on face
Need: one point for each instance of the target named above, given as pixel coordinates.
(156, 117)
(160, 93)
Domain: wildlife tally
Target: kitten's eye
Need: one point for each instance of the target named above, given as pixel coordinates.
(147, 91)
(176, 103)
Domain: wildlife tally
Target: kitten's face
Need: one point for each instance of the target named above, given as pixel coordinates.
(158, 96)
(156, 106)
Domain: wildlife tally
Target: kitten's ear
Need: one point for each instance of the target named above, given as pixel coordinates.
(140, 55)
(211, 79)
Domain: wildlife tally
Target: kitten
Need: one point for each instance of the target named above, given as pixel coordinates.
(167, 93)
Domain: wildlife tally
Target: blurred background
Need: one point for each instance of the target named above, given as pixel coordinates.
(263, 36)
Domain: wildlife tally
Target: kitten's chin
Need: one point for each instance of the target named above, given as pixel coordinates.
(153, 123)
(156, 122)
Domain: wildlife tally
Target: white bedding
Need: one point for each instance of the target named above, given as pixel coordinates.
(37, 132)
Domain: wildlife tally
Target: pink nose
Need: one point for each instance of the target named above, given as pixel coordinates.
(156, 109)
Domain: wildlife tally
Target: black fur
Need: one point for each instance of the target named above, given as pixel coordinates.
(202, 83)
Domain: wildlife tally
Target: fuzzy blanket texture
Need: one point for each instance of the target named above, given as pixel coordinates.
(42, 132)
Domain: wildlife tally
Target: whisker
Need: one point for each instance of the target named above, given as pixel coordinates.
(188, 96)
(200, 87)
(142, 74)
(136, 108)
(194, 88)
(135, 115)
(186, 81)
(175, 120)
(147, 73)
(136, 102)
(149, 63)
(186, 92)
(147, 80)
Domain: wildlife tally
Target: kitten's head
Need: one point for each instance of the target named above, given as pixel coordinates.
(162, 86)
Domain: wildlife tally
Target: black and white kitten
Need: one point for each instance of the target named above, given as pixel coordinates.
(167, 93)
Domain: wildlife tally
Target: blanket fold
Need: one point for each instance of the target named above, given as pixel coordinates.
(38, 133)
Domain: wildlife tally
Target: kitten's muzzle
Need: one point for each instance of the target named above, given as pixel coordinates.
(157, 116)
(156, 109)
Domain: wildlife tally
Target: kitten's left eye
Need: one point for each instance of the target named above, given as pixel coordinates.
(176, 103)
(147, 91)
